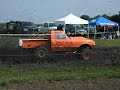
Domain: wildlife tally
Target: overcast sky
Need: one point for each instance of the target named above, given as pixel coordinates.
(39, 11)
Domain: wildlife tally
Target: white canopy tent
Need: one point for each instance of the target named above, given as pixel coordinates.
(70, 19)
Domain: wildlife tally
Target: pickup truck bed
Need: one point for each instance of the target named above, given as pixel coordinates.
(32, 43)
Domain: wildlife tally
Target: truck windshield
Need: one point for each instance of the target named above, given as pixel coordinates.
(49, 24)
(27, 24)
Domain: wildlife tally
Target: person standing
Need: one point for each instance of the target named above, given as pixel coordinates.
(59, 27)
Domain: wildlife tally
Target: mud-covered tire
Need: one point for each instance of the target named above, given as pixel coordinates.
(41, 52)
(85, 54)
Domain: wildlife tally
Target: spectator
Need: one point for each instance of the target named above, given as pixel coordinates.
(60, 27)
(106, 35)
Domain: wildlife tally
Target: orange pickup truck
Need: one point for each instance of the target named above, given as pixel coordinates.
(57, 41)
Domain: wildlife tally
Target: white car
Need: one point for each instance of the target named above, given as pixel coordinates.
(118, 33)
(82, 32)
(48, 26)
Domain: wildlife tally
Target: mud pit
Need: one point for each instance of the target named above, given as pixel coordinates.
(106, 56)
(99, 56)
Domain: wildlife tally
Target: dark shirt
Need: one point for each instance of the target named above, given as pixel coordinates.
(59, 27)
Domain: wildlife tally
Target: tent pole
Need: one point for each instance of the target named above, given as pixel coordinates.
(88, 30)
(95, 32)
(104, 31)
(75, 29)
(64, 29)
(104, 28)
(118, 32)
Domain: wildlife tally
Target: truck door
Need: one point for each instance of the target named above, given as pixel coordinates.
(11, 27)
(61, 42)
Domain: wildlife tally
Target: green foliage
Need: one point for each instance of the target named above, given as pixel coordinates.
(96, 16)
(115, 18)
(70, 72)
(86, 17)
(106, 16)
(39, 25)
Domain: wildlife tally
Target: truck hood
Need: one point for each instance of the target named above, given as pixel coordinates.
(83, 40)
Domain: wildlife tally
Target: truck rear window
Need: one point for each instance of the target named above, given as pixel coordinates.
(60, 35)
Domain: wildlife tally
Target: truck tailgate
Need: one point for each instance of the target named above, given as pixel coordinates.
(33, 43)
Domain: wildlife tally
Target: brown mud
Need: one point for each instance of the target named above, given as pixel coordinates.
(99, 56)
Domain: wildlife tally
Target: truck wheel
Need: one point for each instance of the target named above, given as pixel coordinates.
(85, 54)
(41, 52)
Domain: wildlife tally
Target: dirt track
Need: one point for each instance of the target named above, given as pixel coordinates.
(91, 84)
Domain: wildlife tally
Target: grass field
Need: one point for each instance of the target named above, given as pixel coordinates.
(69, 72)
(107, 43)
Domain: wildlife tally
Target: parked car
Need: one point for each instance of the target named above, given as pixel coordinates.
(76, 30)
(48, 26)
(22, 27)
(2, 29)
(82, 32)
(118, 34)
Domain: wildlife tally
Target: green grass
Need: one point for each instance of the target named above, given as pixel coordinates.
(107, 43)
(70, 72)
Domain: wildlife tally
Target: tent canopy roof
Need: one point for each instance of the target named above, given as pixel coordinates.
(102, 21)
(71, 19)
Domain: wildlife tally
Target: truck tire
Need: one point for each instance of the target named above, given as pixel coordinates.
(85, 53)
(41, 52)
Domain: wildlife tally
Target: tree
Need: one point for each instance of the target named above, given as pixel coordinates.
(86, 17)
(106, 16)
(97, 16)
(115, 18)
